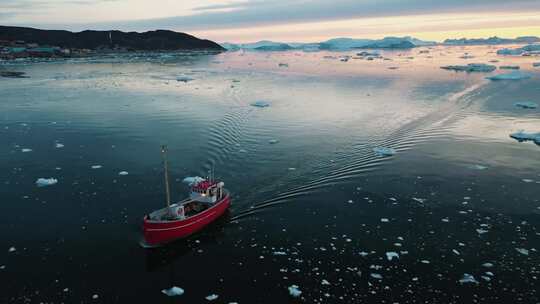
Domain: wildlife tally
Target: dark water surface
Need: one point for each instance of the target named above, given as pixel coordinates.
(318, 209)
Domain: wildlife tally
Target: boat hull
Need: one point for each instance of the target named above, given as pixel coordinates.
(161, 232)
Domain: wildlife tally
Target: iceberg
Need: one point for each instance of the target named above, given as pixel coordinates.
(26, 150)
(471, 67)
(123, 173)
(273, 141)
(526, 105)
(96, 167)
(509, 67)
(191, 180)
(522, 136)
(184, 79)
(526, 50)
(212, 297)
(294, 291)
(260, 104)
(515, 75)
(173, 291)
(382, 151)
(522, 251)
(376, 276)
(12, 249)
(43, 182)
(391, 255)
(58, 145)
(468, 278)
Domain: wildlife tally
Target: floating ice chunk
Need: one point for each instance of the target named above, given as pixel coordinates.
(527, 180)
(455, 252)
(471, 67)
(522, 136)
(123, 173)
(487, 265)
(12, 249)
(384, 220)
(479, 167)
(526, 105)
(522, 251)
(283, 65)
(481, 231)
(382, 151)
(420, 200)
(273, 141)
(26, 150)
(509, 67)
(325, 282)
(515, 75)
(294, 291)
(184, 79)
(467, 278)
(260, 104)
(486, 278)
(191, 180)
(43, 182)
(424, 262)
(391, 255)
(376, 276)
(173, 291)
(95, 297)
(212, 297)
(58, 145)
(96, 167)
(280, 253)
(363, 253)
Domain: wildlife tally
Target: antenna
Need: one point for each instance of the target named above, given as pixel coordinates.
(166, 173)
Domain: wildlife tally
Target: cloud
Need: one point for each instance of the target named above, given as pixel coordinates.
(257, 12)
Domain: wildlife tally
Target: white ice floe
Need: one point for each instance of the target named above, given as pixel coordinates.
(58, 145)
(184, 79)
(514, 75)
(325, 282)
(522, 251)
(455, 252)
(294, 291)
(471, 67)
(212, 297)
(487, 265)
(384, 220)
(123, 173)
(260, 104)
(376, 276)
(383, 151)
(478, 167)
(43, 182)
(481, 231)
(363, 253)
(96, 166)
(95, 297)
(173, 291)
(526, 105)
(509, 67)
(12, 249)
(280, 253)
(391, 255)
(424, 261)
(273, 141)
(191, 180)
(26, 150)
(522, 136)
(468, 278)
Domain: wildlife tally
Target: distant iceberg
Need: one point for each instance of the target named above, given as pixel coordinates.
(491, 41)
(522, 136)
(260, 104)
(526, 105)
(43, 182)
(336, 44)
(531, 49)
(383, 151)
(471, 67)
(515, 75)
(173, 291)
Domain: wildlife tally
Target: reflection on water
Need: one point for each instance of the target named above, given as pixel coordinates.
(311, 200)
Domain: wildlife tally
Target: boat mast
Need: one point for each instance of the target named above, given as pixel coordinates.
(166, 173)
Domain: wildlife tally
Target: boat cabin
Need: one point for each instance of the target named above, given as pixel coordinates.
(203, 195)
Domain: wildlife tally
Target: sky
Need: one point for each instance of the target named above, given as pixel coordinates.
(285, 20)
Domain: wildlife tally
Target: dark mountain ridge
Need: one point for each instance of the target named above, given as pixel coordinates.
(151, 40)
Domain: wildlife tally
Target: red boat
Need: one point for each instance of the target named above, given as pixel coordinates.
(208, 200)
